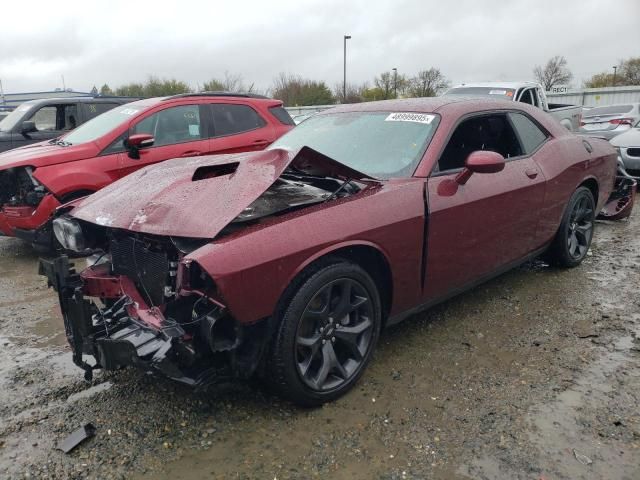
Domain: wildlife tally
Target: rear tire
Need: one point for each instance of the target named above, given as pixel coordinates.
(329, 324)
(573, 238)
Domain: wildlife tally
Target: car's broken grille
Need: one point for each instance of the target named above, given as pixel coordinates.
(148, 269)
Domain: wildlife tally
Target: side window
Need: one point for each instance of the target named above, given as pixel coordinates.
(67, 117)
(527, 97)
(116, 146)
(45, 119)
(172, 125)
(490, 132)
(230, 119)
(95, 109)
(531, 136)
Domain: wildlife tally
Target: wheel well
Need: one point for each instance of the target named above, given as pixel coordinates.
(376, 265)
(592, 185)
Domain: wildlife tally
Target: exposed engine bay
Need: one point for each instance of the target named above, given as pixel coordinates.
(19, 187)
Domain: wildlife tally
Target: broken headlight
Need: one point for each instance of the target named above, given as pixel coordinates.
(69, 233)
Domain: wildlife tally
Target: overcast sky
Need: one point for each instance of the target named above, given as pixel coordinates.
(116, 42)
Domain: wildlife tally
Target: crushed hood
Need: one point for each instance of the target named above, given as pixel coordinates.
(43, 154)
(198, 197)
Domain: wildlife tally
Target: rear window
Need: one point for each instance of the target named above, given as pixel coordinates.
(282, 115)
(229, 119)
(610, 110)
(494, 92)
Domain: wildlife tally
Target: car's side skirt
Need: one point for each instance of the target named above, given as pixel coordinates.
(399, 317)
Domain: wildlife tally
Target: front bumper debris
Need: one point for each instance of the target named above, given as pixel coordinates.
(126, 332)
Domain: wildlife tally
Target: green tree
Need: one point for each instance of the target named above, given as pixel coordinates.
(373, 94)
(105, 90)
(294, 90)
(628, 74)
(154, 87)
(600, 80)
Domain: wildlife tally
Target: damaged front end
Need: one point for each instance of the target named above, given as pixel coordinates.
(141, 304)
(25, 205)
(144, 301)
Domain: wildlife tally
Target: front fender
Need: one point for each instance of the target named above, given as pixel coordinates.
(252, 268)
(62, 181)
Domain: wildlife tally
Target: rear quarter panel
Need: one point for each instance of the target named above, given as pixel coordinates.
(566, 164)
(253, 268)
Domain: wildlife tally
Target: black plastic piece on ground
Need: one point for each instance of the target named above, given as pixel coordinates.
(77, 437)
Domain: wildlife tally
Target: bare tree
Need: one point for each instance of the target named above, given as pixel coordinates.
(354, 93)
(428, 83)
(232, 82)
(555, 72)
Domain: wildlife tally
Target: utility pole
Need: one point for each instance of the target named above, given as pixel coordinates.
(615, 67)
(64, 87)
(1, 93)
(344, 82)
(395, 82)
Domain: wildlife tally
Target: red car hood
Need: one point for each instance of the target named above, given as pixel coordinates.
(43, 154)
(198, 197)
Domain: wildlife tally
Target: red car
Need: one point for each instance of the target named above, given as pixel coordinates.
(288, 262)
(36, 179)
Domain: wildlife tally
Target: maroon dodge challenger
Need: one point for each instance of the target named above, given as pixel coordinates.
(287, 263)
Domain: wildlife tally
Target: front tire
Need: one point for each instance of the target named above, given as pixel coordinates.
(573, 239)
(329, 326)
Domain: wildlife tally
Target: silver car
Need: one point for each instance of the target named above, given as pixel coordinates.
(610, 121)
(628, 146)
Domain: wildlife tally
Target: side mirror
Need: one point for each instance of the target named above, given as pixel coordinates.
(136, 142)
(28, 126)
(480, 161)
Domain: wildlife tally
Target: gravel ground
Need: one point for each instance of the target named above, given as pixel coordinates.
(533, 375)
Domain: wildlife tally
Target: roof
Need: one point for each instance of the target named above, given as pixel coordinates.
(424, 105)
(514, 85)
(78, 100)
(218, 94)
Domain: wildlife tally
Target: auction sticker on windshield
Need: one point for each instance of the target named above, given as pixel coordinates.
(410, 117)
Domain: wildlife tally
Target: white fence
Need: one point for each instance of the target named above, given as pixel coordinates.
(587, 97)
(597, 97)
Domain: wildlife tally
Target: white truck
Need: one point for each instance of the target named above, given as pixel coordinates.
(527, 92)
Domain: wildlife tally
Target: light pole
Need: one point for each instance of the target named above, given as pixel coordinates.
(395, 82)
(615, 67)
(344, 82)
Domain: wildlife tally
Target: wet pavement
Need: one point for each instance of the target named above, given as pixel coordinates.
(533, 375)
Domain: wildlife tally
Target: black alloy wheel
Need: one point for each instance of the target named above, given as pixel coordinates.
(334, 334)
(573, 238)
(329, 323)
(580, 231)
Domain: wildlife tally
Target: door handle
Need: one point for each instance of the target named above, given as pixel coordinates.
(191, 153)
(261, 143)
(531, 172)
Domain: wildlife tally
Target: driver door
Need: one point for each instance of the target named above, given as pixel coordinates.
(487, 224)
(178, 132)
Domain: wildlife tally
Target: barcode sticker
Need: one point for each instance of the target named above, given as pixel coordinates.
(410, 117)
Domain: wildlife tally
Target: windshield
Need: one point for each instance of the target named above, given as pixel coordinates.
(103, 124)
(494, 92)
(10, 121)
(380, 144)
